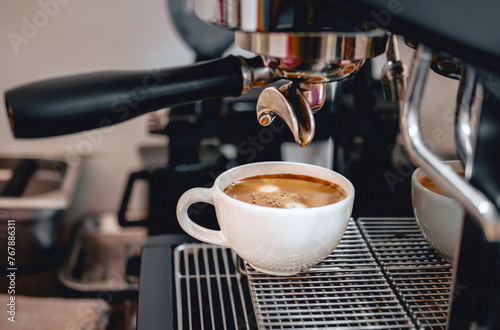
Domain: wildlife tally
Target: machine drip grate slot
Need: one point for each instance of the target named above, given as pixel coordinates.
(420, 277)
(347, 290)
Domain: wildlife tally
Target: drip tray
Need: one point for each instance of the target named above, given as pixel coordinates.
(382, 275)
(421, 278)
(211, 293)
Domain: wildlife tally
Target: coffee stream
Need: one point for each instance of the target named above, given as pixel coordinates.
(286, 191)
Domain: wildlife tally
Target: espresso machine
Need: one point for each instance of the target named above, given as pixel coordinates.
(301, 48)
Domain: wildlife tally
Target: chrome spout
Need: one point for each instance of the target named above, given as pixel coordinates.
(394, 73)
(289, 103)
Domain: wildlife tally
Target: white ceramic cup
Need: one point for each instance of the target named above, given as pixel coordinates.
(439, 217)
(274, 241)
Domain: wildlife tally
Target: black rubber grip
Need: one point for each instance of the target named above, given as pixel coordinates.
(88, 101)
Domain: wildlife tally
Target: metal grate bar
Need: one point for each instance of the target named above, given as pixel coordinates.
(210, 293)
(332, 285)
(308, 308)
(346, 290)
(421, 278)
(304, 323)
(228, 280)
(209, 288)
(219, 285)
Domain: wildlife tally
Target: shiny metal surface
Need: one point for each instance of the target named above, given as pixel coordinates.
(39, 211)
(51, 188)
(235, 14)
(420, 277)
(299, 51)
(314, 71)
(274, 102)
(314, 94)
(305, 53)
(473, 200)
(206, 40)
(294, 105)
(229, 13)
(383, 275)
(256, 73)
(315, 46)
(276, 15)
(209, 291)
(314, 56)
(470, 94)
(347, 290)
(394, 73)
(447, 66)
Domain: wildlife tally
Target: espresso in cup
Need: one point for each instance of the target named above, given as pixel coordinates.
(286, 191)
(438, 216)
(275, 240)
(427, 183)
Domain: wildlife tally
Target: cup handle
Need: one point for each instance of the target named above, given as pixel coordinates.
(190, 197)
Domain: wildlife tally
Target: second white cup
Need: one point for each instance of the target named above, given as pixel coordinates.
(439, 217)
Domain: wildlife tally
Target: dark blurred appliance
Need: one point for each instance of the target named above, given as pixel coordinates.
(305, 45)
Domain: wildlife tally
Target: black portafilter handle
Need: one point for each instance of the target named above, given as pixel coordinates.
(96, 100)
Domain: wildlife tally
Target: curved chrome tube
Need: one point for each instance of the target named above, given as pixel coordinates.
(473, 200)
(468, 106)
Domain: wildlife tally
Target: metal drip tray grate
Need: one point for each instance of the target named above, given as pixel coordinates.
(210, 292)
(385, 276)
(420, 276)
(347, 290)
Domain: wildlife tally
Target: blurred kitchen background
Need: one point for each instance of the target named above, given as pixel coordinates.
(48, 38)
(94, 35)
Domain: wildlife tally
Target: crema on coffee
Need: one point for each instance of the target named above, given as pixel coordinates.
(427, 183)
(286, 191)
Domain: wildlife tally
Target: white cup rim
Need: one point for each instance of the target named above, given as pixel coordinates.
(239, 203)
(417, 184)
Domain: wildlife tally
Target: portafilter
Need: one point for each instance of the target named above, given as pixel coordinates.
(96, 100)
